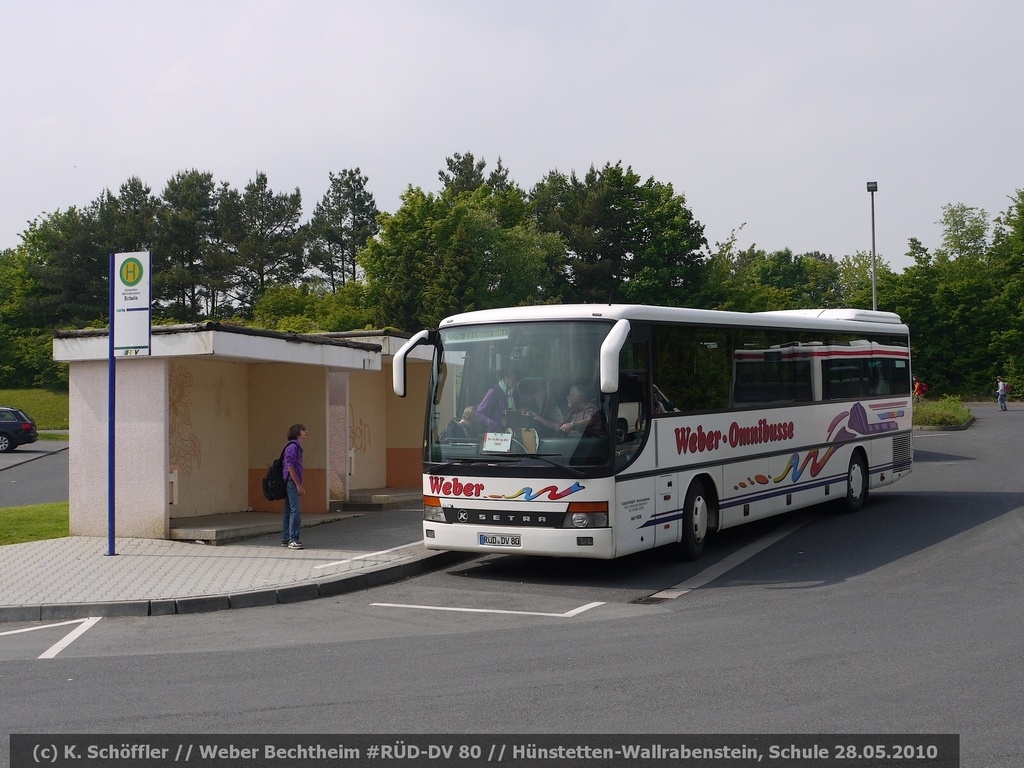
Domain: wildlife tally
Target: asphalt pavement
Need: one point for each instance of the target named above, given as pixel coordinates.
(34, 474)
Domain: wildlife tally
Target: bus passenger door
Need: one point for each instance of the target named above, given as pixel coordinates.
(666, 510)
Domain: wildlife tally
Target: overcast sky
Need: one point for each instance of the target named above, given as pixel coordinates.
(770, 116)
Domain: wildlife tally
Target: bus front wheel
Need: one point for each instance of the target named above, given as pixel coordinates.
(856, 483)
(697, 510)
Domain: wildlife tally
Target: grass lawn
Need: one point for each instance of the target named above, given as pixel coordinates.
(48, 408)
(33, 523)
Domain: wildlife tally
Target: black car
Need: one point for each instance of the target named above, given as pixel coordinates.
(16, 428)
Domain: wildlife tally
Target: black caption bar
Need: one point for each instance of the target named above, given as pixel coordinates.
(472, 750)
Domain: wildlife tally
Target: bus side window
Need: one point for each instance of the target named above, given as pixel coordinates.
(879, 380)
(845, 380)
(632, 419)
(630, 414)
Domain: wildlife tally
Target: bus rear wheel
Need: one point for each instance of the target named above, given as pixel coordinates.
(856, 483)
(698, 509)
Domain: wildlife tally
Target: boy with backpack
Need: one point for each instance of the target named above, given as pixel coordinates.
(292, 469)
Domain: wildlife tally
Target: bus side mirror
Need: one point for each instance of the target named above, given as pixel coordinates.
(398, 364)
(610, 349)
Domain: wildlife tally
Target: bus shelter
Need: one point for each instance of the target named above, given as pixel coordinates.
(199, 421)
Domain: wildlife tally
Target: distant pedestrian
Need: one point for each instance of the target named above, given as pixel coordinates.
(292, 524)
(1002, 390)
(919, 389)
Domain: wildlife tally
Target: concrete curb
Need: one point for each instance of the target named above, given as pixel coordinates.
(313, 590)
(953, 428)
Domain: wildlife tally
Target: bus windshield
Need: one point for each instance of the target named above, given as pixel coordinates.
(522, 392)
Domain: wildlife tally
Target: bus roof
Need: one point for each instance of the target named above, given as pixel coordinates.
(854, 320)
(863, 315)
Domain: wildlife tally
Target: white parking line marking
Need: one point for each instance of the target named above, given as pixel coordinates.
(369, 554)
(566, 615)
(83, 626)
(41, 626)
(53, 650)
(728, 563)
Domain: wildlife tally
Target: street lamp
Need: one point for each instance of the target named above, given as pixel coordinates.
(872, 188)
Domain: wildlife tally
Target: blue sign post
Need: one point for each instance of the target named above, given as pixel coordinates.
(130, 325)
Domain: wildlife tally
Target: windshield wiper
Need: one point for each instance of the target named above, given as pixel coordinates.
(544, 457)
(472, 460)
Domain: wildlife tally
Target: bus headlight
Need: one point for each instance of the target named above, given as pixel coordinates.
(586, 514)
(432, 509)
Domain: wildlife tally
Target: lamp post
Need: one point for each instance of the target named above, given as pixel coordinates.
(872, 188)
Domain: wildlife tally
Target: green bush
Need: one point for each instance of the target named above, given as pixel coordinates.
(947, 412)
(48, 407)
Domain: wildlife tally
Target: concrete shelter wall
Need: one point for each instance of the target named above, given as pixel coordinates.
(209, 429)
(405, 418)
(338, 442)
(280, 395)
(140, 448)
(368, 429)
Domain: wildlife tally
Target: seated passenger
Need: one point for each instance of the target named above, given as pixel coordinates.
(581, 412)
(466, 428)
(556, 397)
(532, 395)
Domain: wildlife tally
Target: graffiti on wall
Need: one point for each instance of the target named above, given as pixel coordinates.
(359, 435)
(186, 449)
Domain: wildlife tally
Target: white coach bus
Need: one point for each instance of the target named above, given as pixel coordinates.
(599, 431)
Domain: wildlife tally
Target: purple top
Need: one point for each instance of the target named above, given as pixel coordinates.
(490, 409)
(293, 459)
